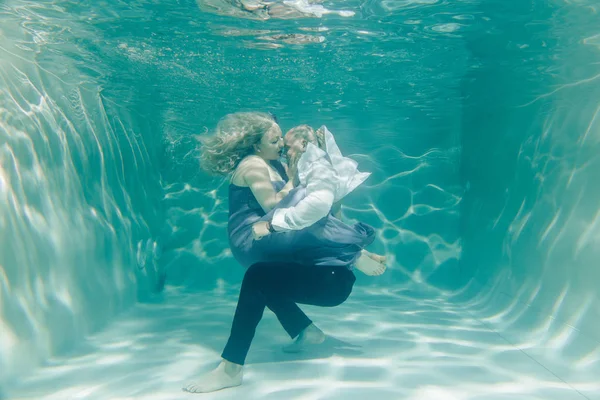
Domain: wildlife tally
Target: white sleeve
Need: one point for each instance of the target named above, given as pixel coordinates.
(320, 193)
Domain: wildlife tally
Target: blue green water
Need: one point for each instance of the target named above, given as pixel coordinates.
(478, 119)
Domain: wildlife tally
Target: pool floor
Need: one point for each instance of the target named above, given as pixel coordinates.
(382, 344)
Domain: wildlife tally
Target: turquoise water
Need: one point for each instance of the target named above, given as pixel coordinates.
(479, 121)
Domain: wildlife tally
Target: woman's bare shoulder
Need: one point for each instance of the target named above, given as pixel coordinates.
(249, 165)
(250, 162)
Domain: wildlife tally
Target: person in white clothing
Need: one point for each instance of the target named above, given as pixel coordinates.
(328, 177)
(249, 146)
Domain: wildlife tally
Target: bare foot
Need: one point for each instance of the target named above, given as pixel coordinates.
(310, 335)
(377, 257)
(369, 266)
(226, 375)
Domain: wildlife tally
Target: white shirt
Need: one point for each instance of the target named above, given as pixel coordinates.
(328, 177)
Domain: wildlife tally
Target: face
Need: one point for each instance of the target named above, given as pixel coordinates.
(271, 144)
(294, 145)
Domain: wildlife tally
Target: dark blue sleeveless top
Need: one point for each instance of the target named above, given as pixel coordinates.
(244, 209)
(327, 242)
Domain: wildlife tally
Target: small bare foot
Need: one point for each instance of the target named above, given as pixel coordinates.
(370, 266)
(377, 257)
(226, 375)
(310, 335)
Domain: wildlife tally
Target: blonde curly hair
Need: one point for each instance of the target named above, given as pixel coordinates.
(236, 136)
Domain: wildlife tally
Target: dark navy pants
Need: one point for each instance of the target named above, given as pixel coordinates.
(281, 286)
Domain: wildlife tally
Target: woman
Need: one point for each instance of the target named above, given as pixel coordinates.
(248, 145)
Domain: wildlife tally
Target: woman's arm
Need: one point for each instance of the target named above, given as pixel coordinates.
(256, 175)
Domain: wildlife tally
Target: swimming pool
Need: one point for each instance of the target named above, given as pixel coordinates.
(478, 120)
